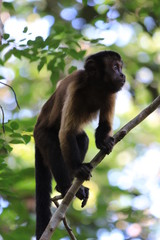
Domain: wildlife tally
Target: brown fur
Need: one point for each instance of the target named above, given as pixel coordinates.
(61, 143)
(74, 104)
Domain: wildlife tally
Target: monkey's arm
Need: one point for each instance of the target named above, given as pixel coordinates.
(103, 135)
(70, 130)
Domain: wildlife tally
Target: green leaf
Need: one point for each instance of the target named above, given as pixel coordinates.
(8, 5)
(34, 58)
(25, 29)
(22, 45)
(73, 54)
(55, 43)
(49, 39)
(26, 138)
(11, 40)
(82, 53)
(42, 63)
(96, 40)
(8, 55)
(1, 62)
(23, 40)
(16, 141)
(6, 36)
(4, 46)
(54, 76)
(72, 69)
(2, 140)
(61, 65)
(3, 166)
(84, 2)
(15, 135)
(16, 53)
(59, 28)
(26, 53)
(14, 125)
(8, 129)
(52, 42)
(39, 42)
(51, 64)
(39, 39)
(30, 43)
(8, 148)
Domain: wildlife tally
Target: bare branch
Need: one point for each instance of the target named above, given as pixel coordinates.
(2, 119)
(60, 212)
(68, 228)
(13, 93)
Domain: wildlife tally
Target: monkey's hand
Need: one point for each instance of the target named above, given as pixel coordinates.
(106, 145)
(84, 172)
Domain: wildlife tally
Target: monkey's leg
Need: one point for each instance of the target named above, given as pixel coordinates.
(83, 141)
(84, 171)
(57, 165)
(74, 148)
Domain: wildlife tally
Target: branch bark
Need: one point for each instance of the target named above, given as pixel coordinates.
(61, 211)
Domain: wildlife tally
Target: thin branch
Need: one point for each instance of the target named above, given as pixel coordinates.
(61, 211)
(68, 228)
(13, 93)
(2, 119)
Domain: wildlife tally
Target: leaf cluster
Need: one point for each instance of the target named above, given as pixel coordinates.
(50, 52)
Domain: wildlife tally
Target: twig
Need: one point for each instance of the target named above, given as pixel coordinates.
(13, 93)
(60, 212)
(2, 119)
(68, 228)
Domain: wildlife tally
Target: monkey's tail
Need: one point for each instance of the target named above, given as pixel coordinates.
(43, 190)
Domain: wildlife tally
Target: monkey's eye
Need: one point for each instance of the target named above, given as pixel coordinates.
(115, 67)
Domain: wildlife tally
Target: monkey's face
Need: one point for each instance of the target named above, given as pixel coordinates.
(114, 77)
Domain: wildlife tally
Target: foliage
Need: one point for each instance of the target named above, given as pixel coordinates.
(33, 65)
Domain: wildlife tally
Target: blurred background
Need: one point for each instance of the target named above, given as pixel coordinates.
(44, 41)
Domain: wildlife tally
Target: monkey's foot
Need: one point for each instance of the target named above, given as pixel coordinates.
(83, 194)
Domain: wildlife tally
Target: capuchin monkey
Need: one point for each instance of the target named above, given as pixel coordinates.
(60, 141)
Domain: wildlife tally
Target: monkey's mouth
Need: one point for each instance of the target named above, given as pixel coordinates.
(121, 84)
(122, 81)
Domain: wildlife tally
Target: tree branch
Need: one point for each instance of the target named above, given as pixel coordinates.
(12, 91)
(2, 111)
(68, 228)
(61, 211)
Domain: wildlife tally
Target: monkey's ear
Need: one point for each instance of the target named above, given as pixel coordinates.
(90, 67)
